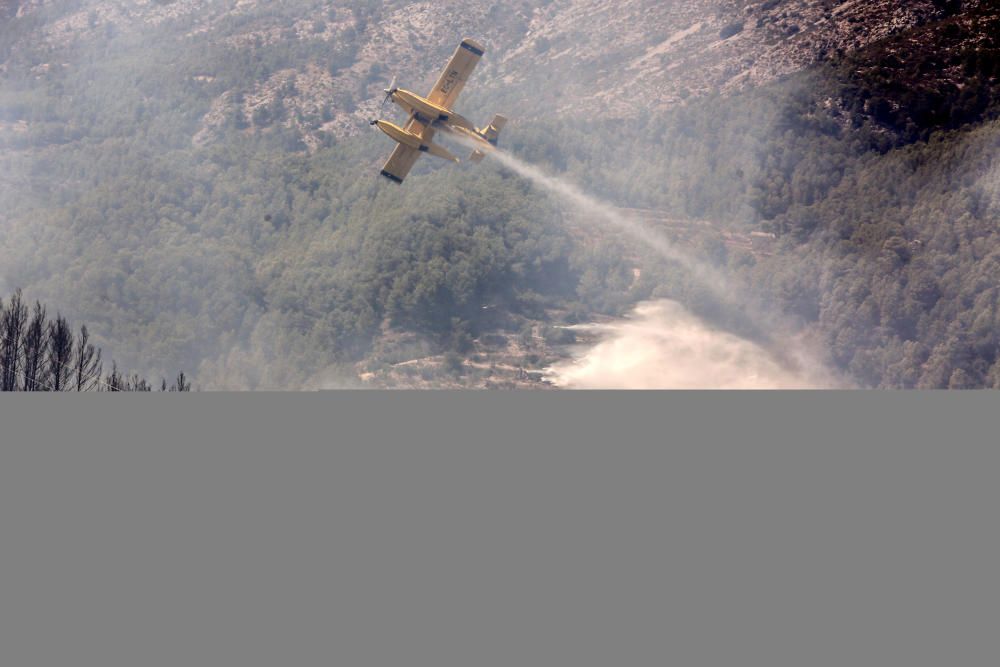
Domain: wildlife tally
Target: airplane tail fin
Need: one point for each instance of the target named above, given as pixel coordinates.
(490, 133)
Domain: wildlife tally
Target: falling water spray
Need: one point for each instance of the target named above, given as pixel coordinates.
(577, 198)
(786, 361)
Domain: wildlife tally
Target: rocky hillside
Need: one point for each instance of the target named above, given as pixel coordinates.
(619, 58)
(650, 55)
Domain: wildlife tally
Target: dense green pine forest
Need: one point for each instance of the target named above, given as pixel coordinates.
(258, 261)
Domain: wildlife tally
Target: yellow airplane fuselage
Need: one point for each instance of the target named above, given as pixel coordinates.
(431, 113)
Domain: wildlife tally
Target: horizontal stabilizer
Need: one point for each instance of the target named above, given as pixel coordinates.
(439, 151)
(419, 142)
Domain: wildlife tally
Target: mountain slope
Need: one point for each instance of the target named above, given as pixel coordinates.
(196, 178)
(574, 57)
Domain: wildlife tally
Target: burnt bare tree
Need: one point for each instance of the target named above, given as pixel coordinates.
(114, 380)
(60, 354)
(12, 324)
(87, 366)
(41, 355)
(136, 383)
(182, 383)
(36, 341)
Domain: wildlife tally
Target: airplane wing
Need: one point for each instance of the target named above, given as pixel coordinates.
(455, 74)
(400, 162)
(404, 157)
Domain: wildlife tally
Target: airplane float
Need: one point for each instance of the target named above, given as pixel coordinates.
(434, 112)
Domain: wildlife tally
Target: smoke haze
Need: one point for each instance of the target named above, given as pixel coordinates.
(663, 346)
(197, 183)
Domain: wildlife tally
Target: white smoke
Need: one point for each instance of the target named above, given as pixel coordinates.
(663, 346)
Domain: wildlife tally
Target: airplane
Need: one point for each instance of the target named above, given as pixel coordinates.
(432, 113)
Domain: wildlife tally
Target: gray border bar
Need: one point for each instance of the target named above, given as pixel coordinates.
(547, 528)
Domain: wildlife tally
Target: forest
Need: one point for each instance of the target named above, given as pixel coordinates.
(258, 262)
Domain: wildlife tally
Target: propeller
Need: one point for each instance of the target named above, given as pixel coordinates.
(388, 96)
(388, 92)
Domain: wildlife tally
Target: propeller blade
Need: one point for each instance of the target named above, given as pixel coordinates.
(389, 91)
(388, 95)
